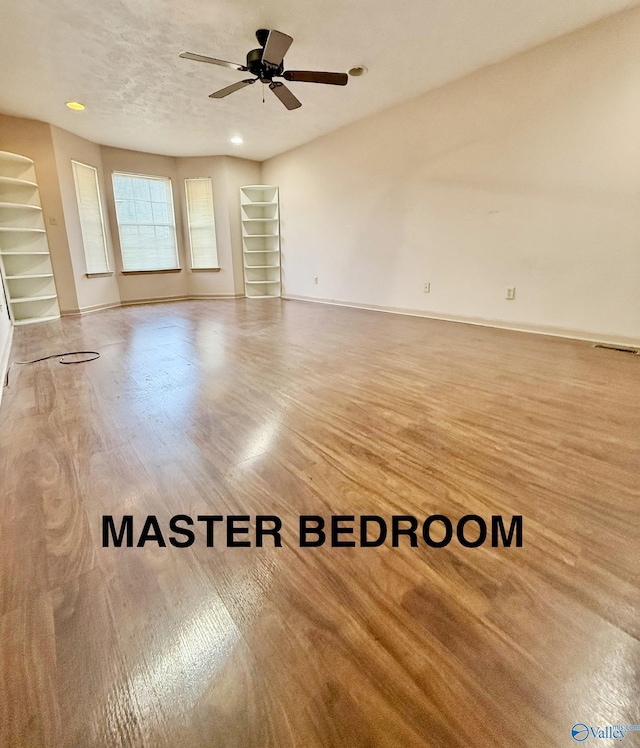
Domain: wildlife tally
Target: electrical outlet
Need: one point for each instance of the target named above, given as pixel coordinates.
(315, 279)
(427, 288)
(511, 293)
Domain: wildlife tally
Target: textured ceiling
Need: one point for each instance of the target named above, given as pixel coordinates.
(120, 57)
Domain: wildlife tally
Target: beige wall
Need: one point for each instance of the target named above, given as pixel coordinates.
(239, 173)
(34, 140)
(227, 174)
(145, 286)
(92, 292)
(52, 149)
(524, 174)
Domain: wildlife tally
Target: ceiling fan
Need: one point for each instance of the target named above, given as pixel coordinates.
(267, 63)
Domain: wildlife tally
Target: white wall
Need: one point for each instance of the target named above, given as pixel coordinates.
(524, 174)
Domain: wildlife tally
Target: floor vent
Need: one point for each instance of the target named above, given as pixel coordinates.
(636, 351)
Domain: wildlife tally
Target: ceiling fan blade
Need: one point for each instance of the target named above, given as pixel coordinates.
(230, 89)
(285, 96)
(211, 60)
(315, 76)
(276, 48)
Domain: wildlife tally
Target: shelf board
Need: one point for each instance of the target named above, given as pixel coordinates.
(14, 158)
(35, 275)
(14, 180)
(262, 282)
(20, 205)
(258, 220)
(259, 236)
(16, 230)
(21, 254)
(261, 267)
(31, 320)
(27, 299)
(261, 251)
(261, 202)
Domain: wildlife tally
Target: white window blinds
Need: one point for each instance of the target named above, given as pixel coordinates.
(146, 222)
(202, 229)
(91, 219)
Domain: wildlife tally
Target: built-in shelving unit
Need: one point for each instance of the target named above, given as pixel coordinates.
(260, 214)
(24, 252)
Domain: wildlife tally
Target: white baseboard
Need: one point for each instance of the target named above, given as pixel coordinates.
(88, 309)
(190, 297)
(152, 300)
(5, 356)
(557, 332)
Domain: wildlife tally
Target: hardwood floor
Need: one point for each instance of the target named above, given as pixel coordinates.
(286, 408)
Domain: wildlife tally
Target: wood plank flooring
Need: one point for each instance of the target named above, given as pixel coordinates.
(286, 408)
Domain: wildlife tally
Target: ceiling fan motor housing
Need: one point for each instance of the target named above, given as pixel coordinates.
(262, 70)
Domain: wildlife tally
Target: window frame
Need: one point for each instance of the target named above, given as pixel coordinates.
(90, 273)
(170, 202)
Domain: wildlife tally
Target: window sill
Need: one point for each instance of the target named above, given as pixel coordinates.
(106, 274)
(146, 272)
(205, 270)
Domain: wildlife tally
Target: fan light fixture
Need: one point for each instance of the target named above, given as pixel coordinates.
(237, 140)
(358, 70)
(75, 105)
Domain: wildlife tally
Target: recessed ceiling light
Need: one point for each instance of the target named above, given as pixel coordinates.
(358, 70)
(236, 139)
(75, 105)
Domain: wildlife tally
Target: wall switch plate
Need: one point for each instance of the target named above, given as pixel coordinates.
(511, 293)
(427, 288)
(315, 279)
